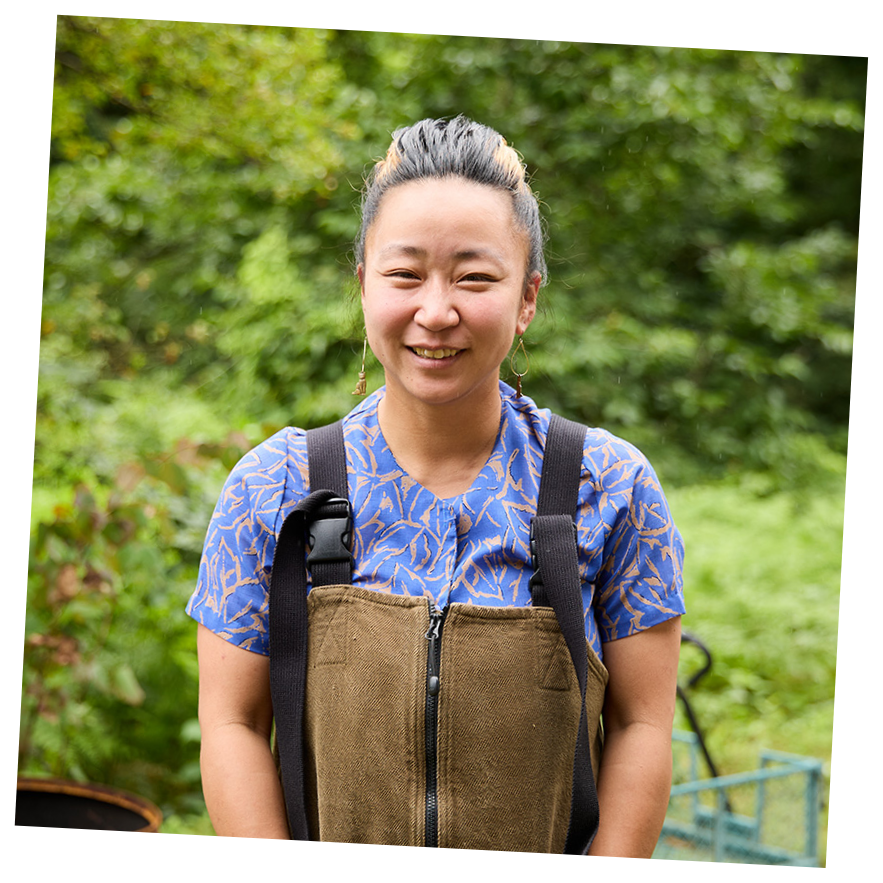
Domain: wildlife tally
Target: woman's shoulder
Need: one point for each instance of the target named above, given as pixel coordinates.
(269, 460)
(274, 475)
(616, 475)
(605, 451)
(266, 482)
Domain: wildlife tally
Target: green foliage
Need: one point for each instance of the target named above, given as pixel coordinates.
(188, 824)
(763, 575)
(174, 146)
(281, 333)
(110, 671)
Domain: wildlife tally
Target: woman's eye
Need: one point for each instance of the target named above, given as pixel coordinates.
(477, 277)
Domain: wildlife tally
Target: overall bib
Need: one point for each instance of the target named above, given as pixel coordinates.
(404, 724)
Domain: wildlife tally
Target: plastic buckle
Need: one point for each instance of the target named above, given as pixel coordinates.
(331, 536)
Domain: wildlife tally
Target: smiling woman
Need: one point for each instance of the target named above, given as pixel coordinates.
(450, 668)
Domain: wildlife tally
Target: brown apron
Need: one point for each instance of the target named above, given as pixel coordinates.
(508, 708)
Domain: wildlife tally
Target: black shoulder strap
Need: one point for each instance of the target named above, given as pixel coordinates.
(556, 583)
(330, 562)
(327, 455)
(327, 515)
(562, 463)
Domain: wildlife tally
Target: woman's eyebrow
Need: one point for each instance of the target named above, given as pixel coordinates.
(397, 249)
(481, 253)
(415, 251)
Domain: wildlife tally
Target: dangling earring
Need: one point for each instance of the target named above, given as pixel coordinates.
(519, 375)
(362, 385)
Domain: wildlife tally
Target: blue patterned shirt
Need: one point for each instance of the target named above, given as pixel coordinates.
(472, 548)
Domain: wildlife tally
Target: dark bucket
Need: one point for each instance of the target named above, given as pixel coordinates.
(56, 803)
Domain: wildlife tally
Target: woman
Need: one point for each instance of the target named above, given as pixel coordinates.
(443, 466)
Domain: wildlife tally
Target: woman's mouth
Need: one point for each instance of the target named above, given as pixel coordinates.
(433, 354)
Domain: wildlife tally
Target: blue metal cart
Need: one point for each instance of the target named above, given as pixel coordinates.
(769, 816)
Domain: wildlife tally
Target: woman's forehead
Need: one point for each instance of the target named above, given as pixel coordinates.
(451, 188)
(472, 218)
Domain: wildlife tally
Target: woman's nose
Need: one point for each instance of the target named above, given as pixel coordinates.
(437, 308)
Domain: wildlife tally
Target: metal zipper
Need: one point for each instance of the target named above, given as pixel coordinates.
(433, 684)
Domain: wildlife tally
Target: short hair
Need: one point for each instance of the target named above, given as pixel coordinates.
(455, 148)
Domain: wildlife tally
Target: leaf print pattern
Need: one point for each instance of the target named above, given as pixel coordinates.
(470, 549)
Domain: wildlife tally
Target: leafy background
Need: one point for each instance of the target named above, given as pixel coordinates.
(702, 209)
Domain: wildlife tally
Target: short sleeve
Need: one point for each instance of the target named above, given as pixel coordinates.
(232, 591)
(639, 582)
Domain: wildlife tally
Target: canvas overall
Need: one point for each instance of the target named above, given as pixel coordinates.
(399, 723)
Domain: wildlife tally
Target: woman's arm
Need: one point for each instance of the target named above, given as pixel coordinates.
(239, 779)
(635, 775)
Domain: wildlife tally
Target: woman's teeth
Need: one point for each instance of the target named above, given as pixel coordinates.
(434, 354)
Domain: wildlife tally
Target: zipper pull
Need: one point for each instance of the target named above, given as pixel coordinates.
(433, 635)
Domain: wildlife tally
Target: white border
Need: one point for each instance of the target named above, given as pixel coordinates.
(843, 29)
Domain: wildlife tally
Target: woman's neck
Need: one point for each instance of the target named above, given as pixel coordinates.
(442, 447)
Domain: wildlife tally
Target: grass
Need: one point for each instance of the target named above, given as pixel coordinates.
(187, 824)
(762, 581)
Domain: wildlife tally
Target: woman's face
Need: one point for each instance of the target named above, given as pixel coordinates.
(444, 290)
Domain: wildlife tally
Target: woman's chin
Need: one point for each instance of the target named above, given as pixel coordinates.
(441, 392)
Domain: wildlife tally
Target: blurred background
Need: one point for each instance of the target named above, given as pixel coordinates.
(702, 208)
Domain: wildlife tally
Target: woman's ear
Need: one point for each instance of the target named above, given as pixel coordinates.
(529, 303)
(360, 272)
